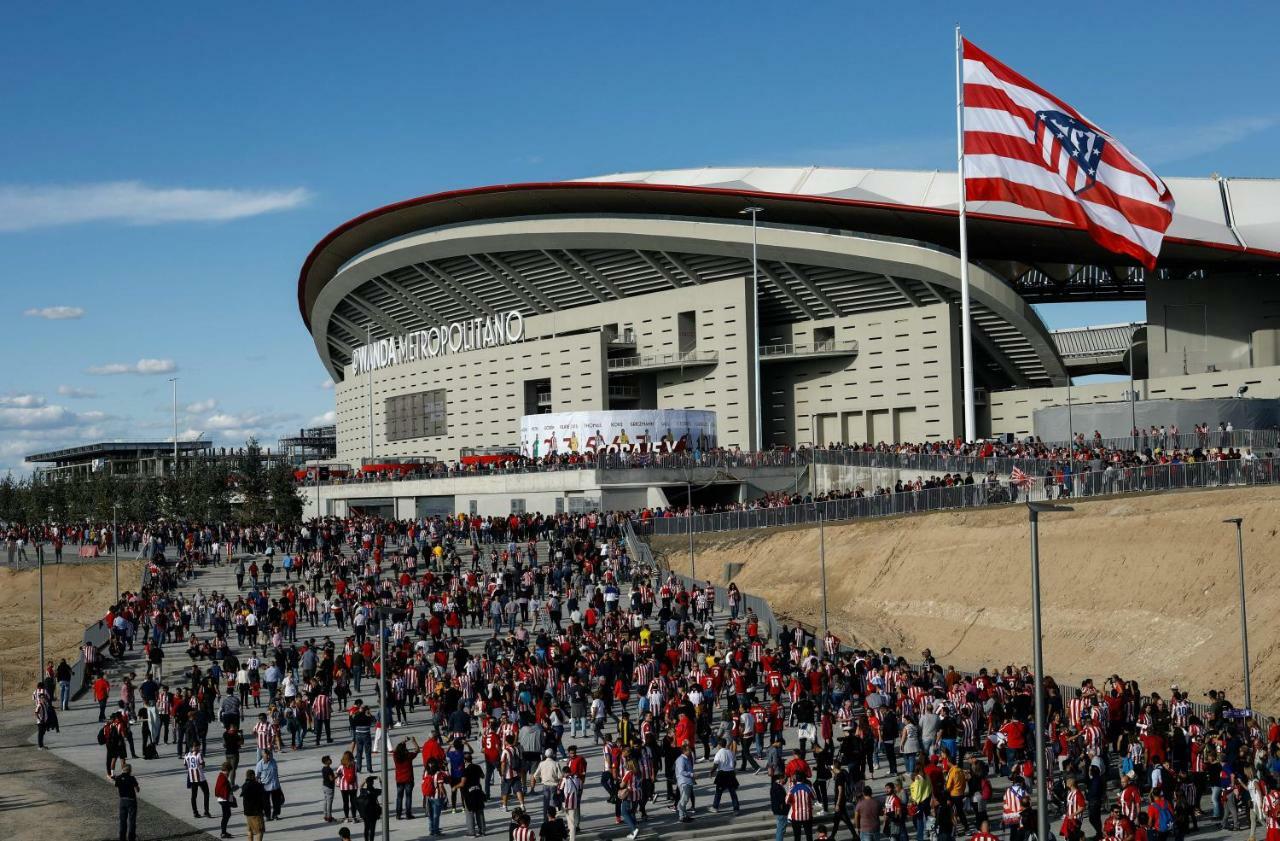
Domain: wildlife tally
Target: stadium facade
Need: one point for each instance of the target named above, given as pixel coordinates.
(445, 319)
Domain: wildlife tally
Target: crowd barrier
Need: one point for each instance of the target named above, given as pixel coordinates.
(1111, 481)
(769, 626)
(99, 634)
(1255, 439)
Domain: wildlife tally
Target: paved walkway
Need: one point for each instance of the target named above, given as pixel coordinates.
(163, 781)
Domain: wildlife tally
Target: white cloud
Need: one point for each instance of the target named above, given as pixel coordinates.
(76, 393)
(1168, 144)
(238, 422)
(327, 384)
(327, 419)
(23, 208)
(142, 366)
(202, 406)
(42, 417)
(186, 435)
(22, 401)
(53, 313)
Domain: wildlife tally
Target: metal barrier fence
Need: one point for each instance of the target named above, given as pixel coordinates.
(769, 626)
(764, 612)
(1257, 439)
(99, 634)
(1114, 480)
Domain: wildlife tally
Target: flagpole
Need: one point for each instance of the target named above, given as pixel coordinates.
(966, 337)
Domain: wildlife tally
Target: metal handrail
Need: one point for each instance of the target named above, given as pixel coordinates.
(832, 346)
(691, 357)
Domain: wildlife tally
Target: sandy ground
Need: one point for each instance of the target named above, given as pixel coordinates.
(75, 595)
(1145, 587)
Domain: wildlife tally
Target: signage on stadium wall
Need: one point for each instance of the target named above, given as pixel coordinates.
(504, 328)
(621, 431)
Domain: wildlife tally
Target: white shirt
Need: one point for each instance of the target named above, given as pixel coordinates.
(723, 760)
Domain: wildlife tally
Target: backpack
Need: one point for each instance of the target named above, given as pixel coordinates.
(1164, 817)
(102, 735)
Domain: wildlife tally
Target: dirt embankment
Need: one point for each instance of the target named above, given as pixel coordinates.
(1145, 587)
(75, 595)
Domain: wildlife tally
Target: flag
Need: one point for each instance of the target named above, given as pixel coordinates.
(1017, 477)
(1025, 146)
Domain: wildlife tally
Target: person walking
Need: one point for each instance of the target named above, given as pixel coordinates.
(800, 808)
(194, 760)
(268, 773)
(726, 776)
(370, 806)
(255, 806)
(684, 784)
(127, 789)
(224, 792)
(348, 784)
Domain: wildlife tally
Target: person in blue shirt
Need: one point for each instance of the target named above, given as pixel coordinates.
(268, 773)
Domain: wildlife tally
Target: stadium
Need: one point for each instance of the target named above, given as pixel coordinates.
(445, 319)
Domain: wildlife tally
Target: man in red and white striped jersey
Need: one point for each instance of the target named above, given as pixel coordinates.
(800, 807)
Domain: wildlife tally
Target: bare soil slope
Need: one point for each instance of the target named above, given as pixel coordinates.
(75, 595)
(1145, 587)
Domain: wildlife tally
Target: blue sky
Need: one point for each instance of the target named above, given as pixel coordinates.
(165, 169)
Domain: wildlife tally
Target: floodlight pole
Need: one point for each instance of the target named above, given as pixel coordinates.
(368, 332)
(1034, 509)
(115, 544)
(1244, 626)
(174, 380)
(755, 322)
(688, 492)
(822, 562)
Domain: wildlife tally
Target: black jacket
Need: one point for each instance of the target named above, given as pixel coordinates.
(254, 798)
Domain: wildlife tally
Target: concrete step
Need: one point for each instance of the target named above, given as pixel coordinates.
(707, 826)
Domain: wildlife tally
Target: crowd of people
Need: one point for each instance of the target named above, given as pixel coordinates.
(539, 667)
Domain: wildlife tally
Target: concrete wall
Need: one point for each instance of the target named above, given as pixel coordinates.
(902, 386)
(1013, 411)
(1115, 420)
(1229, 322)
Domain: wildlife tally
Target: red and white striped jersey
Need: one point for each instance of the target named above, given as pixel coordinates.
(1011, 810)
(195, 766)
(800, 803)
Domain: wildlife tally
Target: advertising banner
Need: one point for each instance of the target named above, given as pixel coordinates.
(621, 431)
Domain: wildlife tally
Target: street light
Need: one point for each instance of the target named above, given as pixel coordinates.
(174, 380)
(1244, 628)
(1034, 510)
(115, 544)
(822, 561)
(755, 322)
(384, 709)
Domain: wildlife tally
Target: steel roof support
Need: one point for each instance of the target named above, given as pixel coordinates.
(787, 291)
(508, 285)
(577, 275)
(449, 285)
(660, 269)
(595, 273)
(812, 287)
(516, 276)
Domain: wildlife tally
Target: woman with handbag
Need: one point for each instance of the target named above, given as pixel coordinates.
(224, 791)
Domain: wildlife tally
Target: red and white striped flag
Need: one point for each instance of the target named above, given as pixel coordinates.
(1017, 477)
(1025, 146)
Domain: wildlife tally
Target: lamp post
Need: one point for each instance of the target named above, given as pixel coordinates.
(384, 711)
(174, 380)
(1244, 627)
(115, 544)
(40, 562)
(755, 323)
(368, 333)
(688, 495)
(822, 562)
(1133, 395)
(1034, 510)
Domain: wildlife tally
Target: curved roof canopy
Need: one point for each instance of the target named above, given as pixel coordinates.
(1216, 220)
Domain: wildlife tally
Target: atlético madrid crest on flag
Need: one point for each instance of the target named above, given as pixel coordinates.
(1070, 147)
(1022, 145)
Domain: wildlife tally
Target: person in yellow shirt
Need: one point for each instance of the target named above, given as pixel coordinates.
(957, 782)
(918, 797)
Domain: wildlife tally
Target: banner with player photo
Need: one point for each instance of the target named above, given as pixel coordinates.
(620, 431)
